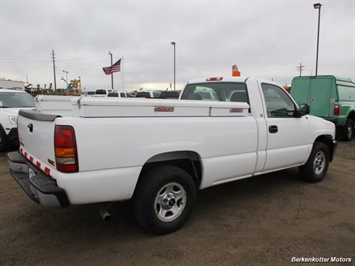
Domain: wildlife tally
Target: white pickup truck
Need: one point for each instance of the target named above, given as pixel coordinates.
(158, 153)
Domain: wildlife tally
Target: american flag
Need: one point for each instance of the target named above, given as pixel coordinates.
(116, 67)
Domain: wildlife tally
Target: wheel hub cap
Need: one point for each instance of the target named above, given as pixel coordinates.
(170, 202)
(319, 163)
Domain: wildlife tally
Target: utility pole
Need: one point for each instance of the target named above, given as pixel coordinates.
(55, 79)
(300, 68)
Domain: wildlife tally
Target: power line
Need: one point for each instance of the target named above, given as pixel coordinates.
(32, 57)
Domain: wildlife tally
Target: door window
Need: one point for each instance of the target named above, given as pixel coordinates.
(278, 103)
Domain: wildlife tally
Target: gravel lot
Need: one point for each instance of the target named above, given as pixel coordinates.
(266, 220)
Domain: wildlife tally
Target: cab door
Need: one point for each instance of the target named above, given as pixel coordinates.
(288, 137)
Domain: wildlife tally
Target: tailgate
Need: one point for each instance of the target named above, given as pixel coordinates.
(36, 137)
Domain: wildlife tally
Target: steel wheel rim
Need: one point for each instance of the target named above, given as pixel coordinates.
(350, 132)
(170, 202)
(319, 163)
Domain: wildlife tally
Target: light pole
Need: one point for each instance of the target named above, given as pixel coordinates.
(317, 6)
(79, 86)
(66, 77)
(111, 73)
(174, 44)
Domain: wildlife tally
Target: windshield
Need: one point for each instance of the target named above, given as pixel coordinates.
(16, 99)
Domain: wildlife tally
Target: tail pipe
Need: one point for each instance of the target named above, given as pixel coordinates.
(104, 213)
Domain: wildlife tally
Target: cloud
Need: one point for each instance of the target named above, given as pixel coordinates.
(267, 39)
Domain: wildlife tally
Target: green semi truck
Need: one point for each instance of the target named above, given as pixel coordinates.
(329, 97)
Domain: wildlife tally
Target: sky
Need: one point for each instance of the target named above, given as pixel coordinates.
(265, 39)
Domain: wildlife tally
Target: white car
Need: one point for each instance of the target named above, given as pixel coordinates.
(11, 101)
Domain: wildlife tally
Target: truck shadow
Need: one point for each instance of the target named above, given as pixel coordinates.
(87, 224)
(219, 211)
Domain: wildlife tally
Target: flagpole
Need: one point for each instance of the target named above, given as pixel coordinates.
(111, 73)
(122, 76)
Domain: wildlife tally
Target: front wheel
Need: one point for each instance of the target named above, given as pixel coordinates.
(164, 199)
(317, 164)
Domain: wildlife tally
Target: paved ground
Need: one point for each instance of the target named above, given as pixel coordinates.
(267, 220)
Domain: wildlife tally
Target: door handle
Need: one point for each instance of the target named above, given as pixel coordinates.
(30, 127)
(273, 129)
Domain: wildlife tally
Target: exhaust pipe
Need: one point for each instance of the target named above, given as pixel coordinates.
(105, 215)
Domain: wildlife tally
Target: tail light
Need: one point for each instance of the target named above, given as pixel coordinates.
(66, 155)
(336, 109)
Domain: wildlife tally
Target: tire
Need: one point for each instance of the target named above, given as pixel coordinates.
(164, 199)
(4, 145)
(347, 130)
(317, 164)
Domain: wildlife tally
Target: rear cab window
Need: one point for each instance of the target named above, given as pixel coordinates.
(217, 91)
(101, 92)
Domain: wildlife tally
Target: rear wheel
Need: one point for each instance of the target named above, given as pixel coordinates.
(164, 199)
(317, 164)
(347, 130)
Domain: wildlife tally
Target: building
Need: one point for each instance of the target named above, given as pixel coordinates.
(12, 84)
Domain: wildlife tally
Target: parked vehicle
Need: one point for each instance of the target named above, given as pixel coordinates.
(148, 94)
(158, 153)
(170, 94)
(103, 92)
(329, 97)
(11, 101)
(90, 93)
(118, 94)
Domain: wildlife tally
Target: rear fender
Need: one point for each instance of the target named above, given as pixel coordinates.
(189, 161)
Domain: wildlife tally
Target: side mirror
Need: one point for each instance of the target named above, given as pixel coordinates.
(303, 110)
